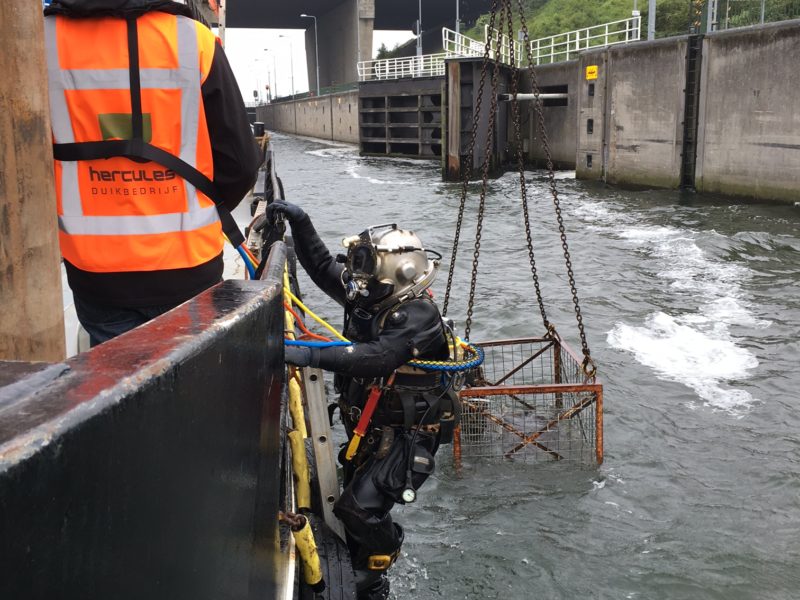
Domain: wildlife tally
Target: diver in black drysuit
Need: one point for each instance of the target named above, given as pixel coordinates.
(390, 322)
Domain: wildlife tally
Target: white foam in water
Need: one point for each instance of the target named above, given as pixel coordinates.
(352, 170)
(678, 352)
(334, 151)
(694, 348)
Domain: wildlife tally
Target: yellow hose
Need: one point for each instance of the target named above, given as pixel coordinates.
(312, 569)
(296, 404)
(301, 473)
(319, 320)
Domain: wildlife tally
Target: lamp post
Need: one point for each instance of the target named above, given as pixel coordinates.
(291, 59)
(419, 30)
(316, 45)
(458, 20)
(274, 85)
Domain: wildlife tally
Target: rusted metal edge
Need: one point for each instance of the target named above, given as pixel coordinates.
(507, 390)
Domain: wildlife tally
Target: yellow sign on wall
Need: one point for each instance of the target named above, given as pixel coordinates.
(591, 72)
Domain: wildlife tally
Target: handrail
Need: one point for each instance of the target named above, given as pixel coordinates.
(568, 45)
(545, 50)
(427, 65)
(457, 44)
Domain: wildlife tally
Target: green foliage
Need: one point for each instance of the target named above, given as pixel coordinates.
(551, 17)
(384, 52)
(740, 13)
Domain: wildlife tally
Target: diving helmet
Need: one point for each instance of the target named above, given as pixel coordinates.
(385, 264)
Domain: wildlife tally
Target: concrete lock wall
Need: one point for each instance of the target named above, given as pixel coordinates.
(645, 87)
(749, 122)
(589, 162)
(333, 117)
(748, 128)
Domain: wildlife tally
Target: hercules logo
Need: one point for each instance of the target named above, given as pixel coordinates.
(132, 175)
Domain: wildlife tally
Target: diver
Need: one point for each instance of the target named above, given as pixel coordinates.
(389, 315)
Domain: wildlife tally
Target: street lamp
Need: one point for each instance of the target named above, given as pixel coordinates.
(291, 59)
(458, 20)
(316, 45)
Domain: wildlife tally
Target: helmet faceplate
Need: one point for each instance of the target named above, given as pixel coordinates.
(388, 259)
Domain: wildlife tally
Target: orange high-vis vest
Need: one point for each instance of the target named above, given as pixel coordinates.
(116, 214)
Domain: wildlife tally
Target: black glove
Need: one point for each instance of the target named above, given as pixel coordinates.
(299, 356)
(291, 211)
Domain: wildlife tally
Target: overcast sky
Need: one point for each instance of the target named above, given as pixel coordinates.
(253, 65)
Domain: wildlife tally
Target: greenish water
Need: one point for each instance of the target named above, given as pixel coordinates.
(692, 307)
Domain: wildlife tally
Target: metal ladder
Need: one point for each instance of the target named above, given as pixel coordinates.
(694, 59)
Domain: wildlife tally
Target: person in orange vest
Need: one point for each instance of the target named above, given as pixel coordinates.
(152, 149)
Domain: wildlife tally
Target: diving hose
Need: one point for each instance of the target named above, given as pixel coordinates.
(303, 535)
(299, 524)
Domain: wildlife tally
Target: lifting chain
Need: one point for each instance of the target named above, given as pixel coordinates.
(484, 176)
(507, 11)
(521, 165)
(588, 365)
(467, 175)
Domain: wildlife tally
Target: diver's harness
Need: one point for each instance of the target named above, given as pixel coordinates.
(437, 387)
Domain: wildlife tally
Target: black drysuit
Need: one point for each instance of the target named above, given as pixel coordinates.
(408, 414)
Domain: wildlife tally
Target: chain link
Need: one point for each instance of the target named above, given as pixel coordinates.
(507, 11)
(467, 172)
(485, 169)
(588, 364)
(516, 119)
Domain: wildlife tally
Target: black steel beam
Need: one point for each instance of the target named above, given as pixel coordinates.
(150, 466)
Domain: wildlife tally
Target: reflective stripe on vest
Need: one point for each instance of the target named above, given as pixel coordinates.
(184, 79)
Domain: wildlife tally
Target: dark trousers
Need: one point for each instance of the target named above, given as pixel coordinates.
(105, 322)
(370, 492)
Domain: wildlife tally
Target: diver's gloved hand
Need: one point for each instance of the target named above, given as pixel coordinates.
(292, 212)
(299, 356)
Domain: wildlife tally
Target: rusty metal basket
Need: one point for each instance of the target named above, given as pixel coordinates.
(531, 400)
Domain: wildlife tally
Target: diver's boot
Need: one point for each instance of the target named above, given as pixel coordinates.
(377, 590)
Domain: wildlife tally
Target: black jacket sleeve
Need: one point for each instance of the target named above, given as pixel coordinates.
(316, 259)
(413, 329)
(235, 153)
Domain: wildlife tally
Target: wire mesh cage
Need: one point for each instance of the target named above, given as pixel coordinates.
(531, 400)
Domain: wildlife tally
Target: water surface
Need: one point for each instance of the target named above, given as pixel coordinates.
(692, 308)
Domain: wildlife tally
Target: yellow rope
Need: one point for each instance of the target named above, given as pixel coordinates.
(322, 322)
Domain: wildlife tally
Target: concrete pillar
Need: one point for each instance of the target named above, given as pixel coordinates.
(311, 60)
(32, 316)
(366, 22)
(345, 37)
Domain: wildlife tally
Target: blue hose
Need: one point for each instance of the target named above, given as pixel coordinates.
(250, 270)
(311, 344)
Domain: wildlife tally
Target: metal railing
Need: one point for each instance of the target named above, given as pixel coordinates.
(457, 44)
(501, 44)
(427, 65)
(744, 13)
(544, 50)
(565, 46)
